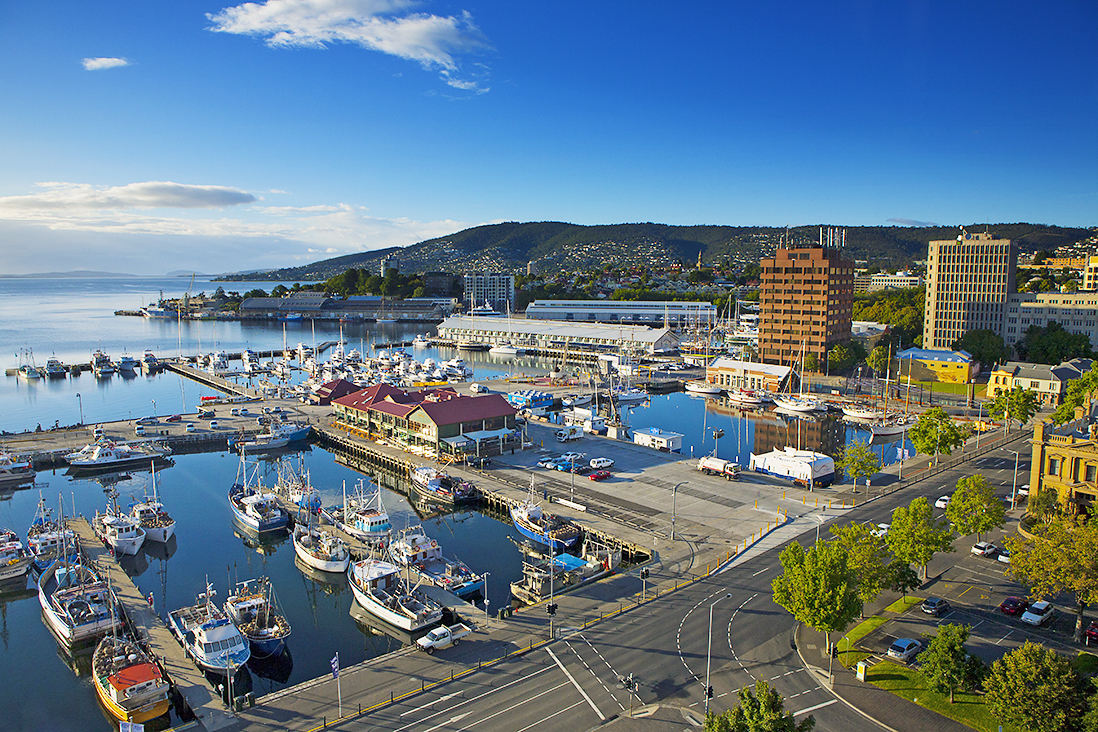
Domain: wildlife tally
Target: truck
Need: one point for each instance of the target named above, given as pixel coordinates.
(716, 466)
(571, 432)
(443, 637)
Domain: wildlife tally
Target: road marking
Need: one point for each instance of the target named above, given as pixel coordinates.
(436, 701)
(966, 590)
(546, 719)
(512, 707)
(1004, 637)
(818, 706)
(457, 718)
(760, 571)
(575, 683)
(475, 698)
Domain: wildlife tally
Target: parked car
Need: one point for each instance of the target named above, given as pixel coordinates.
(881, 531)
(189, 427)
(905, 649)
(479, 462)
(148, 420)
(984, 549)
(1004, 556)
(935, 606)
(174, 418)
(139, 430)
(244, 412)
(1091, 633)
(942, 502)
(600, 475)
(547, 463)
(600, 462)
(1013, 606)
(569, 456)
(1038, 613)
(214, 425)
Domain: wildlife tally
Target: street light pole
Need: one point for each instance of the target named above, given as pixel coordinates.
(486, 598)
(1014, 488)
(80, 402)
(709, 650)
(674, 502)
(154, 407)
(819, 523)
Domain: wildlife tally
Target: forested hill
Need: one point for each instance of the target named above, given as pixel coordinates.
(556, 247)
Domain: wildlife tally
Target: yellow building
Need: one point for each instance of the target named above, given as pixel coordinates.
(951, 367)
(1050, 382)
(1067, 464)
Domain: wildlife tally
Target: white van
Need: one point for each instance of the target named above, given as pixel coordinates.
(600, 462)
(139, 430)
(478, 389)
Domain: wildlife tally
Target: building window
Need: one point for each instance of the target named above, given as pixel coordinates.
(1091, 473)
(1054, 466)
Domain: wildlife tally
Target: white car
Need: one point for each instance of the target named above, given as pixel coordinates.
(570, 456)
(881, 531)
(905, 649)
(942, 502)
(1004, 556)
(189, 427)
(985, 549)
(1038, 613)
(600, 462)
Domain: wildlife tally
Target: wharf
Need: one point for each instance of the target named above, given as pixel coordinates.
(217, 382)
(189, 681)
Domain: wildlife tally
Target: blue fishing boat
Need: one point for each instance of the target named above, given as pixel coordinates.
(253, 508)
(209, 636)
(544, 528)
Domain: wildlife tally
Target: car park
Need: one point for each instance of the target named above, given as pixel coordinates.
(1038, 613)
(600, 475)
(935, 606)
(985, 549)
(189, 427)
(1004, 556)
(600, 462)
(1014, 606)
(904, 649)
(174, 418)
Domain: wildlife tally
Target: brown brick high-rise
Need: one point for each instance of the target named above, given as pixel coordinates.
(807, 295)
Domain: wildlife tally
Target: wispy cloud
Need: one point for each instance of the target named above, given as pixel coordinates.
(388, 26)
(153, 194)
(912, 222)
(98, 64)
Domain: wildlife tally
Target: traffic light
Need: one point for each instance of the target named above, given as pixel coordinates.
(709, 692)
(551, 608)
(644, 574)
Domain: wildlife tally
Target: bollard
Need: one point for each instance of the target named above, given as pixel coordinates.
(391, 700)
(802, 500)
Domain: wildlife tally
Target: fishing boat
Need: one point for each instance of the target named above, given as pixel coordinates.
(277, 436)
(150, 515)
(14, 471)
(55, 369)
(255, 611)
(209, 636)
(27, 370)
(542, 527)
(150, 363)
(120, 532)
(128, 680)
(413, 549)
(381, 591)
(106, 454)
(362, 515)
(702, 387)
(76, 604)
(804, 467)
(15, 560)
(321, 549)
(48, 540)
(296, 486)
(254, 508)
(101, 364)
(438, 486)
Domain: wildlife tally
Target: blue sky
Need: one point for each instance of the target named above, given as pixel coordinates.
(148, 137)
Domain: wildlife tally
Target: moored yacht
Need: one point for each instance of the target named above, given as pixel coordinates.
(55, 369)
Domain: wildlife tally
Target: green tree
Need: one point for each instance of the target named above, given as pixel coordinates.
(915, 536)
(280, 291)
(974, 507)
(878, 360)
(761, 711)
(986, 346)
(818, 588)
(1077, 392)
(866, 556)
(1052, 344)
(840, 358)
(901, 577)
(858, 461)
(811, 362)
(936, 433)
(1018, 403)
(1035, 688)
(946, 664)
(1062, 558)
(1045, 505)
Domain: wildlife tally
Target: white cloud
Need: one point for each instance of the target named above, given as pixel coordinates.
(115, 224)
(911, 222)
(98, 64)
(387, 26)
(152, 194)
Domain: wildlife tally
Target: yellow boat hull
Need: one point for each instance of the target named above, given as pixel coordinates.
(144, 714)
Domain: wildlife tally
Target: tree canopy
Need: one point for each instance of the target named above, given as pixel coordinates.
(936, 433)
(986, 346)
(974, 507)
(1035, 688)
(761, 711)
(915, 536)
(818, 587)
(1062, 558)
(1052, 344)
(946, 664)
(878, 359)
(858, 461)
(866, 556)
(1077, 392)
(900, 309)
(1018, 403)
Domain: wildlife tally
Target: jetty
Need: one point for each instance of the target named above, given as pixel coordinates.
(188, 680)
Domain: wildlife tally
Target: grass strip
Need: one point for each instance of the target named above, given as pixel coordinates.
(904, 604)
(848, 656)
(908, 683)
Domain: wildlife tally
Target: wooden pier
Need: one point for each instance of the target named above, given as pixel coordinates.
(217, 382)
(189, 681)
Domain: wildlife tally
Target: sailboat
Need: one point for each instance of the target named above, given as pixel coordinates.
(507, 347)
(899, 424)
(383, 317)
(800, 402)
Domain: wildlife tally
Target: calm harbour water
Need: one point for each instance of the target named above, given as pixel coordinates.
(72, 318)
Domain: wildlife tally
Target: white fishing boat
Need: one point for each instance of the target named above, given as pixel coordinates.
(695, 386)
(55, 369)
(117, 530)
(296, 485)
(48, 540)
(150, 515)
(255, 612)
(253, 507)
(209, 636)
(381, 591)
(362, 515)
(107, 454)
(321, 549)
(128, 681)
(75, 602)
(413, 549)
(101, 364)
(15, 560)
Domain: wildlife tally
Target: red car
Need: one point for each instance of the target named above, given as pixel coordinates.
(174, 418)
(600, 475)
(1091, 635)
(1013, 606)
